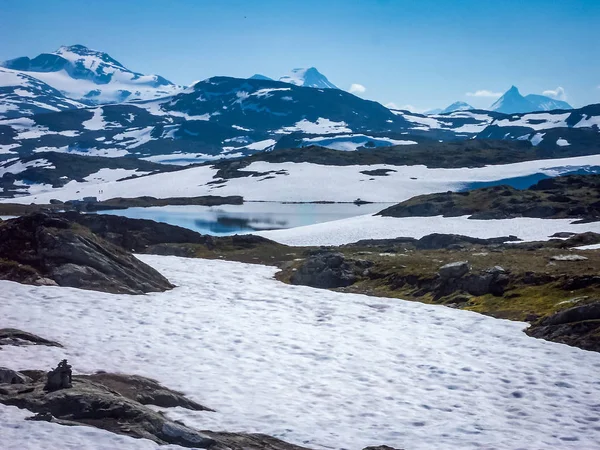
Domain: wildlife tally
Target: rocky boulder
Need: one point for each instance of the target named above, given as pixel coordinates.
(578, 326)
(12, 336)
(457, 276)
(47, 247)
(327, 269)
(8, 376)
(454, 270)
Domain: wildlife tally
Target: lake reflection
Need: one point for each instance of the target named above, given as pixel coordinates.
(251, 216)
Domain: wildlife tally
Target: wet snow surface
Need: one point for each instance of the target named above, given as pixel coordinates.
(314, 367)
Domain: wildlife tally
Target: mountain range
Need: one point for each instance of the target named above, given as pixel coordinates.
(45, 105)
(513, 102)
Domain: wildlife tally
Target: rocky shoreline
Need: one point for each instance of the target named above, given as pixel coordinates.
(572, 196)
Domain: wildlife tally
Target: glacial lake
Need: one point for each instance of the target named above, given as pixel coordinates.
(225, 220)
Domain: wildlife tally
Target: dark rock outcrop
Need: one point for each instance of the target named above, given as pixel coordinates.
(578, 326)
(327, 269)
(381, 447)
(433, 241)
(12, 336)
(41, 246)
(455, 277)
(454, 270)
(9, 376)
(117, 403)
(134, 234)
(572, 196)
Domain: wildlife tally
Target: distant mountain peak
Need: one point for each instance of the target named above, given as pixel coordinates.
(91, 76)
(258, 76)
(76, 48)
(513, 102)
(310, 77)
(456, 106)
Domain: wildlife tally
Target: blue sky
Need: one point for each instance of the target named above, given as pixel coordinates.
(425, 53)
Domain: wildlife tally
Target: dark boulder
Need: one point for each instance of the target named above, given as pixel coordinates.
(327, 269)
(12, 336)
(9, 376)
(490, 281)
(134, 234)
(454, 270)
(54, 248)
(578, 326)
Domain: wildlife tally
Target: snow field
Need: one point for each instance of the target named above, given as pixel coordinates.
(306, 182)
(350, 230)
(323, 369)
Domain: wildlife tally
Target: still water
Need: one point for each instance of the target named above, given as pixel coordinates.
(251, 216)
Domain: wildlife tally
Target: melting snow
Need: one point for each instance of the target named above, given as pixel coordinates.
(314, 367)
(96, 122)
(321, 126)
(537, 138)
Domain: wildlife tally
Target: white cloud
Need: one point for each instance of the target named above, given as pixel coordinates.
(558, 93)
(357, 89)
(484, 93)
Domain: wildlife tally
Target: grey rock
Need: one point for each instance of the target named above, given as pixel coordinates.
(71, 255)
(8, 376)
(454, 270)
(13, 336)
(325, 269)
(578, 326)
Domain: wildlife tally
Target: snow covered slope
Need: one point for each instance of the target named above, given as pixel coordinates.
(310, 77)
(543, 103)
(354, 229)
(91, 76)
(322, 369)
(24, 95)
(306, 182)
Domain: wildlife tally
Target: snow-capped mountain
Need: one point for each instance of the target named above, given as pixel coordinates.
(513, 102)
(91, 76)
(310, 77)
(558, 130)
(24, 95)
(226, 117)
(218, 117)
(456, 106)
(544, 103)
